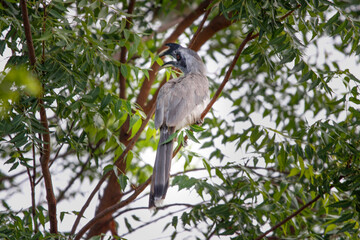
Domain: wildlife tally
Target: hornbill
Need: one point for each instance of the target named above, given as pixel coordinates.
(179, 103)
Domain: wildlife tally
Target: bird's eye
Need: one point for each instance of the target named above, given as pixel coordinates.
(178, 57)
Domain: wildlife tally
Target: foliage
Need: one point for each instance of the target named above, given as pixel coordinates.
(296, 117)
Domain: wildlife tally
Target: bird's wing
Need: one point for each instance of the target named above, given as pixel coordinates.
(183, 96)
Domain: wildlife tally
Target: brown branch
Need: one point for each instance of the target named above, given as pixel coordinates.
(111, 209)
(122, 79)
(199, 28)
(44, 161)
(32, 186)
(45, 158)
(70, 183)
(227, 75)
(33, 204)
(28, 35)
(87, 203)
(216, 24)
(289, 13)
(288, 218)
(188, 20)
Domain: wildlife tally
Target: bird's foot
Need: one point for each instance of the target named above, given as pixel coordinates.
(199, 122)
(185, 142)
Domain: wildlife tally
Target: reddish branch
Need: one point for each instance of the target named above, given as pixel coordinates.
(28, 35)
(188, 20)
(45, 158)
(199, 28)
(112, 209)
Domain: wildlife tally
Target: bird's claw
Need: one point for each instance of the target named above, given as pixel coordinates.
(199, 122)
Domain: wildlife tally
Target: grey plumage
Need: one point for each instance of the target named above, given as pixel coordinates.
(180, 103)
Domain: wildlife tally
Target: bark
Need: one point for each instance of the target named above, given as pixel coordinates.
(45, 157)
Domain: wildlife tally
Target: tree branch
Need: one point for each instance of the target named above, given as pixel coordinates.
(199, 28)
(288, 218)
(111, 209)
(188, 20)
(45, 158)
(27, 28)
(159, 218)
(87, 203)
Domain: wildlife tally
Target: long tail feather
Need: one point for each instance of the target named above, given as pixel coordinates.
(161, 172)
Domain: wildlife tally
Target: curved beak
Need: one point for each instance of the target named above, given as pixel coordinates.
(170, 50)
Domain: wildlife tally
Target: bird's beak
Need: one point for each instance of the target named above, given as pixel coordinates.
(170, 50)
(169, 64)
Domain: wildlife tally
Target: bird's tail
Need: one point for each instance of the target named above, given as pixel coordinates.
(161, 172)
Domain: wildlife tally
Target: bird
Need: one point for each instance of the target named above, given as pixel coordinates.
(180, 103)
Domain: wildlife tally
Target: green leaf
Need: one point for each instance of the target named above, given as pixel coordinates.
(293, 172)
(220, 175)
(174, 221)
(354, 100)
(302, 166)
(105, 101)
(170, 138)
(14, 166)
(298, 67)
(330, 227)
(128, 225)
(124, 71)
(306, 76)
(344, 218)
(123, 179)
(196, 128)
(191, 136)
(207, 166)
(341, 204)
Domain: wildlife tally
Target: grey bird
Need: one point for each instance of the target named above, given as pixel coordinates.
(180, 103)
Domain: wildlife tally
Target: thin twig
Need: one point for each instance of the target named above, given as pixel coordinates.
(199, 28)
(70, 183)
(155, 220)
(36, 227)
(32, 188)
(288, 218)
(87, 203)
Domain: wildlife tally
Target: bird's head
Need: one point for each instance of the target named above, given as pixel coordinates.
(186, 60)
